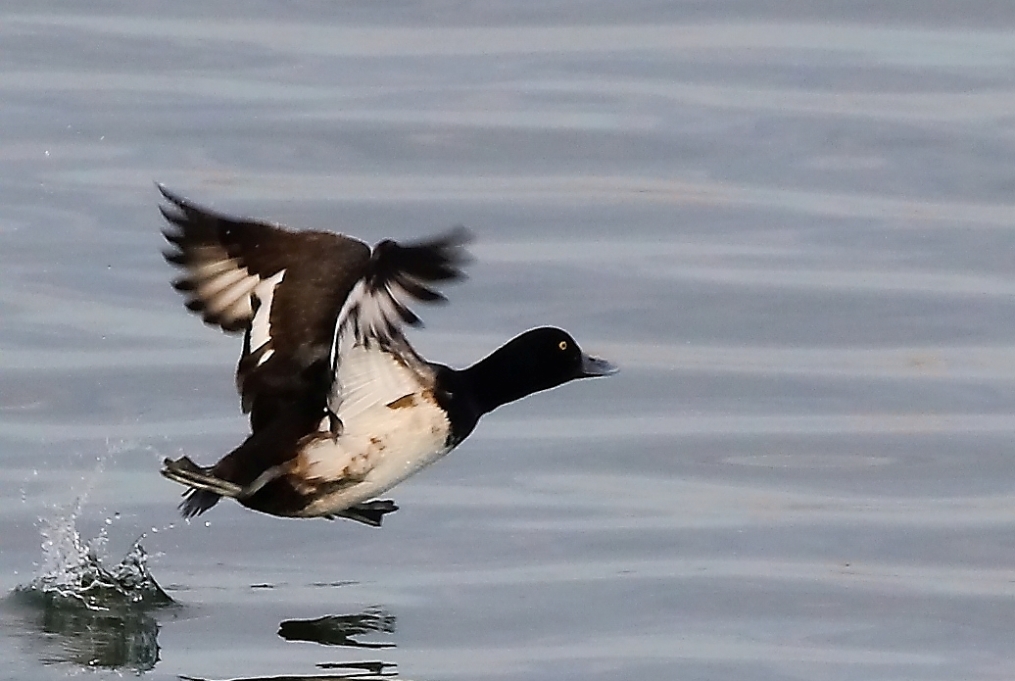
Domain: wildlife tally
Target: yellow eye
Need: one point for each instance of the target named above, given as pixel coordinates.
(562, 345)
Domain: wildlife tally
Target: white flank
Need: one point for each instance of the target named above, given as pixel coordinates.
(379, 446)
(367, 378)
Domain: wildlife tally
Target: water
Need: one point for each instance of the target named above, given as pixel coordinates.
(88, 613)
(790, 224)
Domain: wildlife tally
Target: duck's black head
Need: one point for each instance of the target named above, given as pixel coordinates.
(536, 360)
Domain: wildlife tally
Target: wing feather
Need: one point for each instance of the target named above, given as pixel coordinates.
(378, 304)
(304, 300)
(232, 274)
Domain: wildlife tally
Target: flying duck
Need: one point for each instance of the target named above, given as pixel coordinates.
(341, 407)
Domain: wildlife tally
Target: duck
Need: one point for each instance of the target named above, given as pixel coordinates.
(341, 407)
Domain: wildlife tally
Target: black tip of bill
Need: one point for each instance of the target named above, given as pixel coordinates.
(594, 366)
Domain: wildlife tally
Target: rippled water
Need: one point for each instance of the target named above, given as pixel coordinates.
(790, 223)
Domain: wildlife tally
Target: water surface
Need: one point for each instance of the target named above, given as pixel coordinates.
(791, 226)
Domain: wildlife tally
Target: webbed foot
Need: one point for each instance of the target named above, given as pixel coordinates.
(186, 472)
(369, 512)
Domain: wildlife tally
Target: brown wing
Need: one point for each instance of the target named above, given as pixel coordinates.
(283, 289)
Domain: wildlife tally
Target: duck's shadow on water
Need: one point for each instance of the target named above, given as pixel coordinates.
(336, 631)
(339, 630)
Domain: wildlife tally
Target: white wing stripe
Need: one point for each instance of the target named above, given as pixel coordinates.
(260, 326)
(213, 286)
(210, 268)
(239, 310)
(231, 296)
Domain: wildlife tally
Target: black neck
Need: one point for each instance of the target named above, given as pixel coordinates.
(504, 376)
(491, 383)
(527, 364)
(468, 394)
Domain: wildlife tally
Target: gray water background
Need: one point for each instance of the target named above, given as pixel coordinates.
(790, 223)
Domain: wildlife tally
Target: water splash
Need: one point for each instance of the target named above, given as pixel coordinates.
(73, 574)
(99, 613)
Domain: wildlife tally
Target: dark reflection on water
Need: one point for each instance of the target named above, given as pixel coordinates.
(120, 637)
(358, 672)
(792, 221)
(338, 630)
(84, 611)
(375, 669)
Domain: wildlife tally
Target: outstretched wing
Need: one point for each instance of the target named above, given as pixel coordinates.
(281, 288)
(302, 299)
(378, 305)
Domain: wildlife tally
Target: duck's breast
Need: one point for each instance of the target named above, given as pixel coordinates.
(384, 445)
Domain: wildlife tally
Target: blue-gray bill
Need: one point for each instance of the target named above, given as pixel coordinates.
(595, 366)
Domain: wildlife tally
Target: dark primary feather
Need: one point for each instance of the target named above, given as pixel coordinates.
(211, 247)
(397, 274)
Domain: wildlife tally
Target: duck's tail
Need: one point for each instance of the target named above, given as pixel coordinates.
(205, 489)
